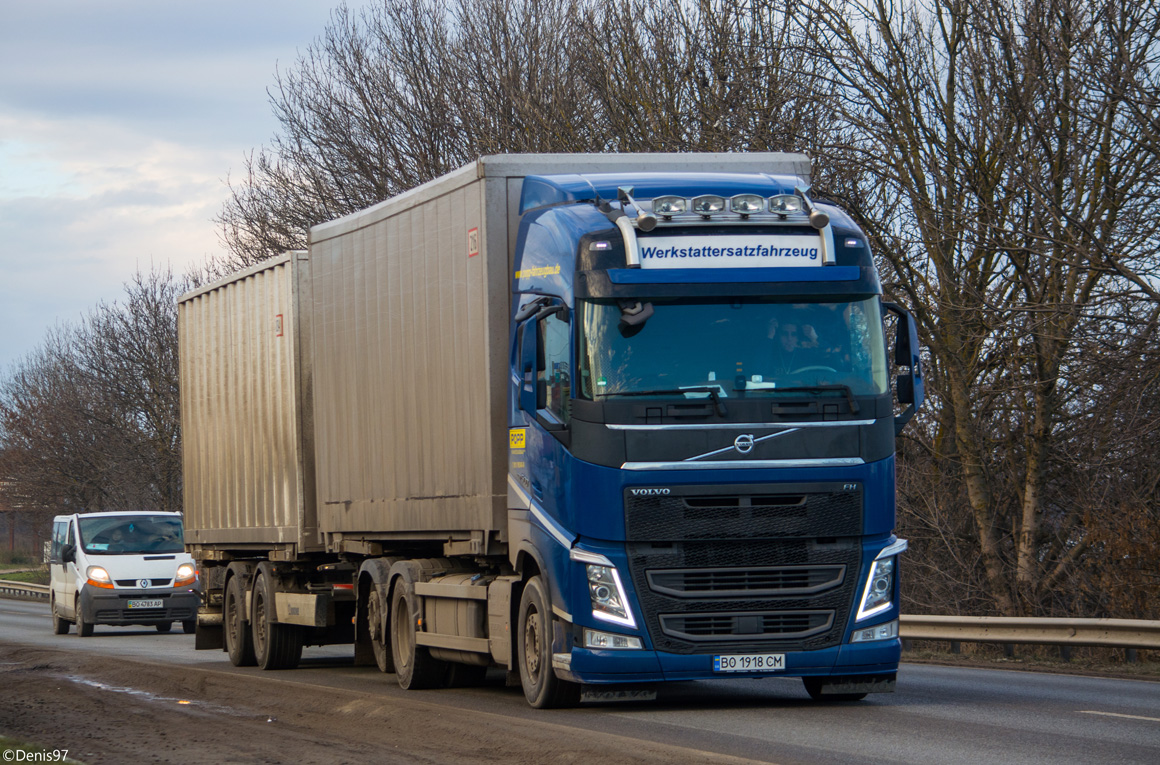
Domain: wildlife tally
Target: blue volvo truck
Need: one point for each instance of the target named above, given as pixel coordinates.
(600, 421)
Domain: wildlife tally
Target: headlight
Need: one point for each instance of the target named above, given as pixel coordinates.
(708, 204)
(98, 577)
(608, 640)
(878, 594)
(186, 575)
(887, 631)
(747, 204)
(609, 603)
(785, 204)
(670, 205)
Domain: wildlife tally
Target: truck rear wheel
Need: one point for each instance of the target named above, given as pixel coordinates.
(239, 644)
(542, 688)
(415, 669)
(379, 628)
(276, 646)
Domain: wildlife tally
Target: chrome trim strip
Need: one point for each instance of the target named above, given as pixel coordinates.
(558, 532)
(562, 614)
(734, 446)
(733, 464)
(520, 493)
(583, 556)
(747, 425)
(893, 549)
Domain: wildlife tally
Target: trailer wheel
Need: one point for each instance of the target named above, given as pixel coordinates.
(276, 646)
(84, 629)
(814, 689)
(239, 644)
(542, 688)
(60, 625)
(415, 669)
(379, 628)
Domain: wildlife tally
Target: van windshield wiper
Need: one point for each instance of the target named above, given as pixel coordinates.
(714, 392)
(822, 389)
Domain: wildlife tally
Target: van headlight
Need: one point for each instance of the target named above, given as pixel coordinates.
(878, 595)
(97, 576)
(609, 603)
(186, 575)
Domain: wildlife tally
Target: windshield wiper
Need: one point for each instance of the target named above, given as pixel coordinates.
(822, 389)
(713, 391)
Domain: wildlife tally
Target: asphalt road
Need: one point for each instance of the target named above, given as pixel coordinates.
(938, 715)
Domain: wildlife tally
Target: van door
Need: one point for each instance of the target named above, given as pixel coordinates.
(71, 571)
(56, 569)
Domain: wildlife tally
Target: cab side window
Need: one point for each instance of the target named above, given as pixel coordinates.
(555, 375)
(58, 537)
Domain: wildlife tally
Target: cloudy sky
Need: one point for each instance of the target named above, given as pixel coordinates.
(120, 121)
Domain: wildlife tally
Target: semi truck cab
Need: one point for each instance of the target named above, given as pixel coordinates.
(702, 429)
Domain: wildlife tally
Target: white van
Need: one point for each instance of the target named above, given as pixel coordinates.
(121, 568)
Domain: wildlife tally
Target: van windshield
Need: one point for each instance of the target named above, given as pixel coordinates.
(131, 534)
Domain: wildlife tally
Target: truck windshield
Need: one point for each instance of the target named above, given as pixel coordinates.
(132, 534)
(740, 348)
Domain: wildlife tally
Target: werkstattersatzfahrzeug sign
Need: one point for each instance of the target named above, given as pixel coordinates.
(738, 251)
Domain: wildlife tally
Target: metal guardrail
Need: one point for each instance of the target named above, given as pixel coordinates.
(24, 590)
(1120, 633)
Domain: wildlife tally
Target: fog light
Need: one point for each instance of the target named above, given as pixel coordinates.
(670, 205)
(610, 641)
(887, 631)
(708, 204)
(747, 204)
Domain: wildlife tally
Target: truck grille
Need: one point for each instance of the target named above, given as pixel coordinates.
(760, 567)
(136, 582)
(771, 581)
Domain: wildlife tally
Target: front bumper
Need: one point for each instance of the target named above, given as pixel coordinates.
(99, 606)
(594, 667)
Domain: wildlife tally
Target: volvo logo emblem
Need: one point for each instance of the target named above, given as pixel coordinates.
(144, 583)
(649, 492)
(743, 443)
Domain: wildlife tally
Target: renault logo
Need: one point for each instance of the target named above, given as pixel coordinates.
(144, 583)
(744, 443)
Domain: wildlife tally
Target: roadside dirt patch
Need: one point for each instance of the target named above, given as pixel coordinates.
(106, 710)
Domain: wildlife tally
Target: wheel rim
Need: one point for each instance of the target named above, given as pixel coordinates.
(375, 623)
(532, 645)
(233, 619)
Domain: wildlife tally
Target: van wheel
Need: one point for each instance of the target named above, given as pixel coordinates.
(84, 629)
(189, 626)
(60, 625)
(239, 644)
(415, 668)
(542, 688)
(164, 626)
(276, 646)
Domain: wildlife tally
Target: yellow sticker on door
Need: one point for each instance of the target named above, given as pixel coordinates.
(517, 438)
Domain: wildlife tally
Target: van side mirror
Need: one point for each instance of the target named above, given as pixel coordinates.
(68, 553)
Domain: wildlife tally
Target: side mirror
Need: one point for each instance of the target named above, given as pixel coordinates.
(910, 386)
(68, 553)
(528, 366)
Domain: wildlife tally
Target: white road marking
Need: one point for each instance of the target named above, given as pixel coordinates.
(1117, 714)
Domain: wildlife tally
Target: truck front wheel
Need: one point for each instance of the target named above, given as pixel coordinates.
(239, 644)
(542, 688)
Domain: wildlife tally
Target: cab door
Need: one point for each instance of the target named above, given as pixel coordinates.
(68, 597)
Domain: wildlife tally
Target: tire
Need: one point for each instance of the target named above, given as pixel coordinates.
(276, 646)
(239, 644)
(60, 625)
(164, 627)
(415, 669)
(542, 688)
(189, 626)
(814, 689)
(380, 628)
(84, 629)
